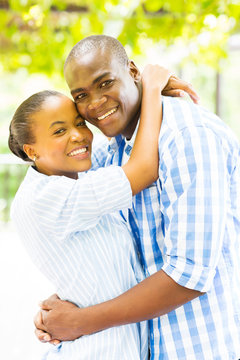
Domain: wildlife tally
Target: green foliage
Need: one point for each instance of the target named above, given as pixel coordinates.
(10, 179)
(38, 35)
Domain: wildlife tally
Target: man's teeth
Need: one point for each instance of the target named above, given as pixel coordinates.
(107, 114)
(79, 151)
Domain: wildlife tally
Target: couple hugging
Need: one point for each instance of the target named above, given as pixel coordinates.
(140, 233)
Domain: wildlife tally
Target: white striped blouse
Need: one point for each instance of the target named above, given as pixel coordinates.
(74, 234)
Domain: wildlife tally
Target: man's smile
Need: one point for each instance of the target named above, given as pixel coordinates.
(108, 113)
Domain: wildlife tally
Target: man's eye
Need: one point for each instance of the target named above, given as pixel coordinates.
(106, 83)
(59, 131)
(80, 96)
(81, 123)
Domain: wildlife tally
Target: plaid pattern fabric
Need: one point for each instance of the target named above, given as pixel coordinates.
(188, 225)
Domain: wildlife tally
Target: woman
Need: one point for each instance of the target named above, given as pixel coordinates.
(68, 219)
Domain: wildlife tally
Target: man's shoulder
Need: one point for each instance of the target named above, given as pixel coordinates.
(180, 116)
(99, 151)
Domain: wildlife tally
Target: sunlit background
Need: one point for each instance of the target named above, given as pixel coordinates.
(198, 40)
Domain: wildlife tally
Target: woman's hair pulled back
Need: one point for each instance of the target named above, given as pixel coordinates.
(20, 129)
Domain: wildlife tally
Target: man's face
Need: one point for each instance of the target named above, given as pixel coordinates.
(105, 92)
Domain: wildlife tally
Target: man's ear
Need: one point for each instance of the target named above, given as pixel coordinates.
(29, 151)
(134, 72)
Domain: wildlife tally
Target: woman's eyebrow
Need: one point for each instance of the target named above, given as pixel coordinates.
(55, 123)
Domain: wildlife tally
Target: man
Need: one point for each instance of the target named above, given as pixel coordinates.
(186, 225)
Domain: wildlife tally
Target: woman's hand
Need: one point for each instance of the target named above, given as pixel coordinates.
(178, 88)
(155, 77)
(171, 85)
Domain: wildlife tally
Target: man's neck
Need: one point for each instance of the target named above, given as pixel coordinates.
(129, 130)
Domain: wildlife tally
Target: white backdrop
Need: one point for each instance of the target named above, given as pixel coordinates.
(22, 287)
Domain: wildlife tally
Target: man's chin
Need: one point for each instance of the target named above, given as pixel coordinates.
(109, 132)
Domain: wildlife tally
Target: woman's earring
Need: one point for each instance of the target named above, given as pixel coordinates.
(34, 159)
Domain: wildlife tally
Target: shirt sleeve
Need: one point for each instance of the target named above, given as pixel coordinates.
(99, 151)
(63, 205)
(193, 202)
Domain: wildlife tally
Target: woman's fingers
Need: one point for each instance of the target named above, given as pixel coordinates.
(175, 86)
(174, 93)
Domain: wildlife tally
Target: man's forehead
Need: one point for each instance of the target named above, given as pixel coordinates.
(94, 60)
(82, 72)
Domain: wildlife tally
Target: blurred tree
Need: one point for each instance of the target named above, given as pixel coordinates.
(39, 34)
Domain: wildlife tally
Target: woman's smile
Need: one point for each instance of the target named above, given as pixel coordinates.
(80, 152)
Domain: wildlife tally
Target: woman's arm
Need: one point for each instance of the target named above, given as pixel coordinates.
(142, 167)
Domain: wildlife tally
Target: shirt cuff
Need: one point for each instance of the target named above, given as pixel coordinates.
(191, 276)
(112, 189)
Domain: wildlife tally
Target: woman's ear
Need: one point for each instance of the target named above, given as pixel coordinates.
(134, 72)
(29, 151)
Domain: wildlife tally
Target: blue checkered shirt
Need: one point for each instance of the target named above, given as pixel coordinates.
(188, 225)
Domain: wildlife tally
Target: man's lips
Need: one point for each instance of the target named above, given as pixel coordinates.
(108, 113)
(78, 151)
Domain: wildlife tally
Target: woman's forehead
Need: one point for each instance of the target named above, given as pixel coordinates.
(55, 102)
(56, 108)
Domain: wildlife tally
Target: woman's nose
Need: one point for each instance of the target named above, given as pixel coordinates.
(97, 102)
(76, 135)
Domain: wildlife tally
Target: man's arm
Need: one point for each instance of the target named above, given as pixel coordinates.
(153, 297)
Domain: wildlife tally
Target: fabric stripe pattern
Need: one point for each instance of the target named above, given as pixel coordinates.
(75, 235)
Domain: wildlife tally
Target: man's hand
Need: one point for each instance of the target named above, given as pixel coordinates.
(178, 88)
(56, 321)
(42, 335)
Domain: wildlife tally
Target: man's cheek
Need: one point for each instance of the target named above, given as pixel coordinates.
(81, 110)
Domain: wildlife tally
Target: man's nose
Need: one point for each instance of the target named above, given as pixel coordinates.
(97, 102)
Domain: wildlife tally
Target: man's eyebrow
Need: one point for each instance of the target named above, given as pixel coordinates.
(100, 77)
(55, 123)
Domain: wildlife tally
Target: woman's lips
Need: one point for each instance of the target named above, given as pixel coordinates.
(78, 151)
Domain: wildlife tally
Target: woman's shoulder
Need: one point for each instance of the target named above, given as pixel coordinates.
(32, 183)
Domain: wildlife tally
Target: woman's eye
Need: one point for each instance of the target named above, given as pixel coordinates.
(59, 131)
(105, 83)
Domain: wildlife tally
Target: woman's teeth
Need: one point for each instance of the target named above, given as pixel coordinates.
(107, 114)
(79, 151)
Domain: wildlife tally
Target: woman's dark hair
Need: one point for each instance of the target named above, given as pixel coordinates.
(20, 129)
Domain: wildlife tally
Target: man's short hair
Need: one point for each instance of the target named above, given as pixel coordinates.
(94, 42)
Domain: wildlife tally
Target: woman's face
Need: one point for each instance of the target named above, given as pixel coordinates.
(63, 140)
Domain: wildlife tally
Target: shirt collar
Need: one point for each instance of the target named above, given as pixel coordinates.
(116, 141)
